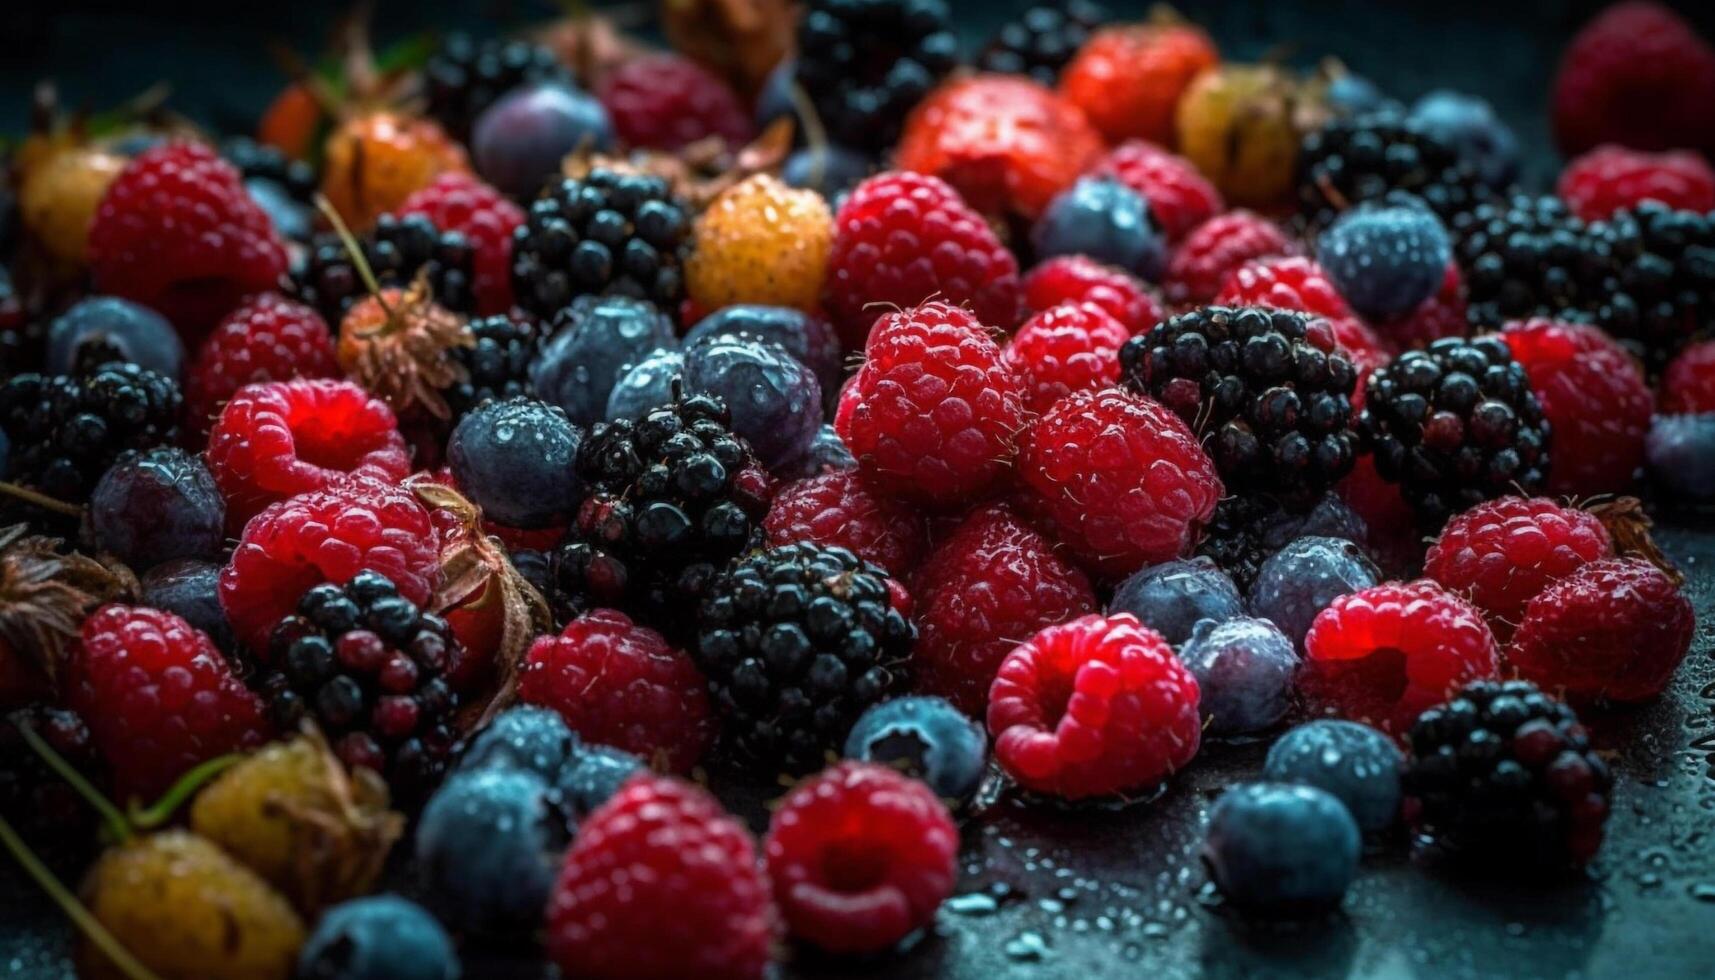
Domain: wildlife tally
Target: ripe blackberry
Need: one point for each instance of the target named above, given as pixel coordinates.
(397, 250)
(497, 365)
(1455, 424)
(865, 63)
(369, 667)
(259, 161)
(796, 642)
(1523, 257)
(67, 430)
(606, 233)
(1658, 286)
(35, 798)
(1505, 773)
(1269, 390)
(463, 77)
(1362, 158)
(1042, 40)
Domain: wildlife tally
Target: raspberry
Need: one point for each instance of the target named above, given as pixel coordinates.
(993, 580)
(1007, 144)
(1595, 397)
(1689, 385)
(1120, 477)
(1637, 75)
(1393, 536)
(859, 856)
(660, 882)
(1501, 553)
(458, 202)
(1611, 177)
(1066, 348)
(1214, 250)
(327, 535)
(268, 338)
(618, 683)
(281, 438)
(662, 101)
(159, 697)
(1098, 706)
(1179, 197)
(177, 232)
(1613, 630)
(836, 510)
(937, 411)
(1443, 314)
(1128, 79)
(903, 238)
(1382, 655)
(1079, 279)
(1285, 282)
(760, 242)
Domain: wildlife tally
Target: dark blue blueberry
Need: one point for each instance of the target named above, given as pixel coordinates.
(1173, 596)
(1280, 849)
(595, 775)
(774, 101)
(595, 340)
(1386, 256)
(1332, 517)
(1355, 95)
(827, 453)
(1358, 764)
(488, 846)
(518, 142)
(646, 385)
(932, 740)
(829, 171)
(1244, 669)
(514, 459)
(381, 937)
(1106, 220)
(290, 217)
(104, 328)
(1680, 451)
(158, 505)
(1469, 125)
(776, 402)
(1301, 579)
(808, 338)
(524, 737)
(190, 588)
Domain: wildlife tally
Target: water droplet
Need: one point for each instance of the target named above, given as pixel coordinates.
(975, 904)
(1026, 947)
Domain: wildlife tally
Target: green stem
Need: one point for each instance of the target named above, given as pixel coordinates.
(41, 500)
(73, 908)
(110, 815)
(349, 242)
(162, 810)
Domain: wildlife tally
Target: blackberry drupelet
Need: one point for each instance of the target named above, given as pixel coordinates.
(497, 365)
(397, 250)
(796, 642)
(1268, 390)
(865, 64)
(1660, 283)
(1523, 257)
(1504, 773)
(1042, 39)
(67, 430)
(1362, 158)
(259, 161)
(1455, 424)
(463, 77)
(370, 668)
(604, 233)
(35, 798)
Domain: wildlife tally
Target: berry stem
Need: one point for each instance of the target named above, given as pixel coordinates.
(115, 821)
(162, 810)
(349, 242)
(815, 134)
(74, 910)
(40, 499)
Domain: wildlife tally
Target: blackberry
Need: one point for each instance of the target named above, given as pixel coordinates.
(1268, 390)
(497, 365)
(370, 669)
(604, 233)
(865, 64)
(796, 642)
(397, 250)
(1504, 773)
(1455, 424)
(1362, 158)
(674, 497)
(1659, 286)
(1524, 257)
(258, 161)
(1042, 40)
(463, 77)
(35, 798)
(67, 430)
(1248, 530)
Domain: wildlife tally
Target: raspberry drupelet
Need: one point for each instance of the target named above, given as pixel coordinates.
(1080, 279)
(1614, 630)
(1610, 178)
(1065, 348)
(268, 338)
(1215, 249)
(1180, 197)
(1594, 395)
(1688, 386)
(836, 509)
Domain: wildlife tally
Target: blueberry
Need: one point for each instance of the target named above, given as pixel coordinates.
(929, 737)
(290, 218)
(595, 340)
(158, 505)
(1386, 256)
(1469, 125)
(1106, 220)
(524, 737)
(1301, 579)
(827, 453)
(1353, 95)
(1332, 517)
(382, 937)
(519, 141)
(595, 775)
(776, 402)
(1680, 451)
(808, 338)
(646, 385)
(774, 101)
(829, 170)
(1173, 596)
(104, 328)
(1280, 849)
(1244, 669)
(488, 846)
(1358, 764)
(190, 588)
(514, 459)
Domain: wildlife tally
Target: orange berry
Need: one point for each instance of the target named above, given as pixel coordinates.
(376, 160)
(290, 122)
(60, 183)
(1128, 79)
(760, 242)
(1240, 124)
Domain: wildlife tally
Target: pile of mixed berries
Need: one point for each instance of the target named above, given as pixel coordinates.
(484, 462)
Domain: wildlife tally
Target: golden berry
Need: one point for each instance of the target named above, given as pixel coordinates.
(760, 242)
(376, 160)
(61, 180)
(1241, 125)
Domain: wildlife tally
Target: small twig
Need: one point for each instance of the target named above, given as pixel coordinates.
(41, 500)
(74, 909)
(110, 815)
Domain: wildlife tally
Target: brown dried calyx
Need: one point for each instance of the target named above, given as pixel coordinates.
(741, 40)
(398, 343)
(1629, 527)
(697, 172)
(44, 597)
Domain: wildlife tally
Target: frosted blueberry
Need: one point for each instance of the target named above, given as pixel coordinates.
(1244, 670)
(1358, 764)
(1469, 125)
(1386, 256)
(645, 385)
(519, 141)
(595, 341)
(1173, 596)
(1680, 451)
(776, 402)
(1279, 849)
(1105, 220)
(1301, 579)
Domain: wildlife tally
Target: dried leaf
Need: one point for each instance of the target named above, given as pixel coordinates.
(741, 40)
(45, 595)
(699, 171)
(400, 349)
(590, 45)
(1629, 526)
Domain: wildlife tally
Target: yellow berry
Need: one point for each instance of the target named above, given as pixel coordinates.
(60, 182)
(1241, 124)
(374, 161)
(760, 242)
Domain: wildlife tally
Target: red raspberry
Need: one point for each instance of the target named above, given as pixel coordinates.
(1285, 282)
(1639, 76)
(486, 218)
(1384, 654)
(1179, 197)
(1594, 396)
(1099, 706)
(1393, 536)
(860, 855)
(1129, 78)
(159, 697)
(1501, 553)
(1080, 279)
(1006, 143)
(1612, 177)
(903, 238)
(618, 683)
(837, 510)
(937, 412)
(1066, 348)
(1121, 478)
(268, 338)
(1214, 250)
(327, 535)
(993, 580)
(1441, 315)
(1688, 387)
(1613, 630)
(661, 882)
(177, 232)
(280, 438)
(662, 101)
